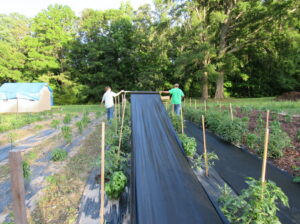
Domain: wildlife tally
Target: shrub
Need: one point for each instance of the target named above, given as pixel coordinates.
(59, 155)
(26, 170)
(189, 145)
(66, 133)
(55, 124)
(116, 185)
(67, 119)
(254, 204)
(125, 144)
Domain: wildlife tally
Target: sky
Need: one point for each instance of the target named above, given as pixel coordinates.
(30, 8)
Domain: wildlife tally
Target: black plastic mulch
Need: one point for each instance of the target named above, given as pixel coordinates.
(164, 189)
(235, 164)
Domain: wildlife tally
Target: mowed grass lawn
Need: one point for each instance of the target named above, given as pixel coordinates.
(265, 103)
(18, 120)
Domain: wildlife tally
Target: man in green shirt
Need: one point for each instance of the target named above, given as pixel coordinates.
(177, 95)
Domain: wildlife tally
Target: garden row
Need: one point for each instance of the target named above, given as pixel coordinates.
(249, 131)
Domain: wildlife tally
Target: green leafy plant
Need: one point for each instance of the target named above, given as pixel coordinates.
(67, 133)
(55, 124)
(252, 140)
(59, 154)
(26, 170)
(175, 121)
(67, 119)
(198, 161)
(288, 118)
(189, 144)
(116, 185)
(298, 135)
(256, 204)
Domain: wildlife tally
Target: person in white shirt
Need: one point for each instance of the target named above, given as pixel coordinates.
(108, 98)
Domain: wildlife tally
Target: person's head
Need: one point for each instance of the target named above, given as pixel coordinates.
(176, 85)
(107, 88)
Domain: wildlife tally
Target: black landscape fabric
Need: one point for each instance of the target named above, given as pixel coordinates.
(164, 189)
(235, 164)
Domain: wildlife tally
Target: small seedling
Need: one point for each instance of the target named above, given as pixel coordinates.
(26, 170)
(66, 133)
(79, 125)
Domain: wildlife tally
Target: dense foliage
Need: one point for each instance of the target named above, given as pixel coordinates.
(255, 204)
(216, 48)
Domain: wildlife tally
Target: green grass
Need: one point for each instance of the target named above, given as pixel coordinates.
(265, 103)
(15, 121)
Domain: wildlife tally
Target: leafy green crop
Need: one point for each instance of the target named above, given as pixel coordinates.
(116, 185)
(199, 162)
(66, 133)
(189, 144)
(256, 204)
(55, 124)
(58, 154)
(67, 119)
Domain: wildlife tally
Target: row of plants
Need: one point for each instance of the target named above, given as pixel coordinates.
(256, 204)
(237, 132)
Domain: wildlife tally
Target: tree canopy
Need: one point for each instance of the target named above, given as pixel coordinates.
(212, 48)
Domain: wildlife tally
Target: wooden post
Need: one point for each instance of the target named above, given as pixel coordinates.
(17, 187)
(102, 174)
(116, 113)
(204, 146)
(122, 124)
(119, 113)
(265, 156)
(231, 113)
(181, 118)
(205, 105)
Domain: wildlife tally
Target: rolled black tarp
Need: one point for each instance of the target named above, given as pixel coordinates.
(164, 188)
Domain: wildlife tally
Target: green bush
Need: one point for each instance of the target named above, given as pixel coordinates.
(59, 155)
(116, 185)
(67, 133)
(278, 140)
(254, 204)
(189, 145)
(67, 119)
(26, 170)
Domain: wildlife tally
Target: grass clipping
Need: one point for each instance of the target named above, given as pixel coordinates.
(61, 197)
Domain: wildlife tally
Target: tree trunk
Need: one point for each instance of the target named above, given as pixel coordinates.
(219, 94)
(205, 87)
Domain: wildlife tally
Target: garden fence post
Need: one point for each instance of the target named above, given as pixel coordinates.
(102, 174)
(116, 110)
(17, 187)
(231, 113)
(265, 156)
(204, 146)
(121, 131)
(181, 118)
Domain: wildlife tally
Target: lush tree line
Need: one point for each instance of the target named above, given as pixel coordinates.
(213, 48)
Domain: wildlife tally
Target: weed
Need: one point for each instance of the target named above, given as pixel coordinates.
(79, 125)
(26, 170)
(58, 154)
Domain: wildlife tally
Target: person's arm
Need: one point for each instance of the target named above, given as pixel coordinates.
(167, 92)
(117, 94)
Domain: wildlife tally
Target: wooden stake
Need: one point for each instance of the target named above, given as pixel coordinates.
(265, 156)
(17, 187)
(231, 113)
(122, 124)
(119, 113)
(205, 105)
(116, 113)
(204, 146)
(102, 174)
(181, 118)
